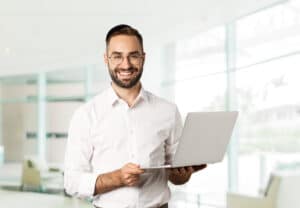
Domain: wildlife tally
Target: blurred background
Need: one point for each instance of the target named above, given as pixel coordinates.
(202, 55)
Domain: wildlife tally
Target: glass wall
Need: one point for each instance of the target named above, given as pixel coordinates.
(266, 51)
(200, 85)
(18, 108)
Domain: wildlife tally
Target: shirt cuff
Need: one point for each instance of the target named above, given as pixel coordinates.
(87, 184)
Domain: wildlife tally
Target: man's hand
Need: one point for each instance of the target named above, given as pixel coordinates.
(179, 176)
(130, 174)
(199, 167)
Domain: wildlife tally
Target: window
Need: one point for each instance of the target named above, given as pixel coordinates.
(200, 85)
(266, 92)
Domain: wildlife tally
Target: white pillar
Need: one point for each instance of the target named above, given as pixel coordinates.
(231, 104)
(88, 82)
(170, 70)
(41, 104)
(1, 132)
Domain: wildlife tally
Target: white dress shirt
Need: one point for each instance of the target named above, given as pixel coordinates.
(105, 134)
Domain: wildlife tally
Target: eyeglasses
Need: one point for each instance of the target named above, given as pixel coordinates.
(134, 58)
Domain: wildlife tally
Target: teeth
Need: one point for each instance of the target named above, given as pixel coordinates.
(125, 73)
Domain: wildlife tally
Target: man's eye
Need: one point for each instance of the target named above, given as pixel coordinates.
(134, 56)
(117, 57)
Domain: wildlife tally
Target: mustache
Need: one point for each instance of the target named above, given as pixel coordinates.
(130, 69)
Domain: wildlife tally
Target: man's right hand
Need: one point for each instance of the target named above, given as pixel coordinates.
(130, 174)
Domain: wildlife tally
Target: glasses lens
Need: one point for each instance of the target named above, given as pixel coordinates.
(132, 58)
(135, 58)
(116, 59)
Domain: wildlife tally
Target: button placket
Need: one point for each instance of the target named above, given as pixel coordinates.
(131, 135)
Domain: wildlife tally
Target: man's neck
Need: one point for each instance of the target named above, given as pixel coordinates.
(127, 94)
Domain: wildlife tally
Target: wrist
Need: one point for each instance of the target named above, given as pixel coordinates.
(118, 178)
(108, 181)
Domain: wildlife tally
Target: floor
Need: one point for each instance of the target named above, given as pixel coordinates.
(12, 197)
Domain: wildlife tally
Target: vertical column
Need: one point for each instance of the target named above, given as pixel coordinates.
(169, 70)
(262, 170)
(1, 131)
(231, 103)
(88, 82)
(41, 104)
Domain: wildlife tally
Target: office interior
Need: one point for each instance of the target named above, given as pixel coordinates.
(202, 55)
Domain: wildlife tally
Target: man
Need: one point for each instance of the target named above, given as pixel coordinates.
(120, 130)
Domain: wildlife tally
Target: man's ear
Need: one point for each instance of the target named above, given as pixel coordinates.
(144, 57)
(105, 58)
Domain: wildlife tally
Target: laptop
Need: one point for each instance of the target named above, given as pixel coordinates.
(205, 137)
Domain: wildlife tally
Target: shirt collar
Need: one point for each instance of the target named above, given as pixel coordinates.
(113, 98)
(142, 95)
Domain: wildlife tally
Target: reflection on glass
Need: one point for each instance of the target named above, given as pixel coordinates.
(269, 117)
(268, 34)
(200, 86)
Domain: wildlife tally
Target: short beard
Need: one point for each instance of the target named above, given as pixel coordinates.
(122, 84)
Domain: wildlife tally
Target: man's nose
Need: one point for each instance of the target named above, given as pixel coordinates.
(125, 63)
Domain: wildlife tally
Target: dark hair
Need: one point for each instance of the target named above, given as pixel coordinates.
(123, 30)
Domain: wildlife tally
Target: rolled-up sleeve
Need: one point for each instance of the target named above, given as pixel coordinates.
(79, 179)
(173, 140)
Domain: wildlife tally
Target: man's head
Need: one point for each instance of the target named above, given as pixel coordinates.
(124, 55)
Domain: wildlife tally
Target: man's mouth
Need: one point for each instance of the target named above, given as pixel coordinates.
(126, 74)
(126, 78)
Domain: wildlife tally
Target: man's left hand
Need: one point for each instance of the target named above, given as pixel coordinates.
(181, 175)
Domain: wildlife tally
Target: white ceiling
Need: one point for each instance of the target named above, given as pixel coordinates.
(38, 35)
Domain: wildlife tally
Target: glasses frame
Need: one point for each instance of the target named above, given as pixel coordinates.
(139, 59)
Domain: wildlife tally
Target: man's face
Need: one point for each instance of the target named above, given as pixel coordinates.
(125, 60)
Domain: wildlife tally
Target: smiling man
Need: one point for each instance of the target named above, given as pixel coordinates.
(124, 73)
(120, 130)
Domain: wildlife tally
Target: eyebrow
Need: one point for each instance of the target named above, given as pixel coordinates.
(120, 53)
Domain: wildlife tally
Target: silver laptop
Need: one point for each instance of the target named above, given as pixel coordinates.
(204, 139)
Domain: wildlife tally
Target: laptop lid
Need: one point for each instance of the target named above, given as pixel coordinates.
(204, 138)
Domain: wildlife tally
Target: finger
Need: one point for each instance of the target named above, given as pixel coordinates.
(135, 177)
(175, 171)
(128, 176)
(129, 166)
(182, 171)
(134, 166)
(134, 171)
(132, 177)
(199, 167)
(132, 182)
(190, 169)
